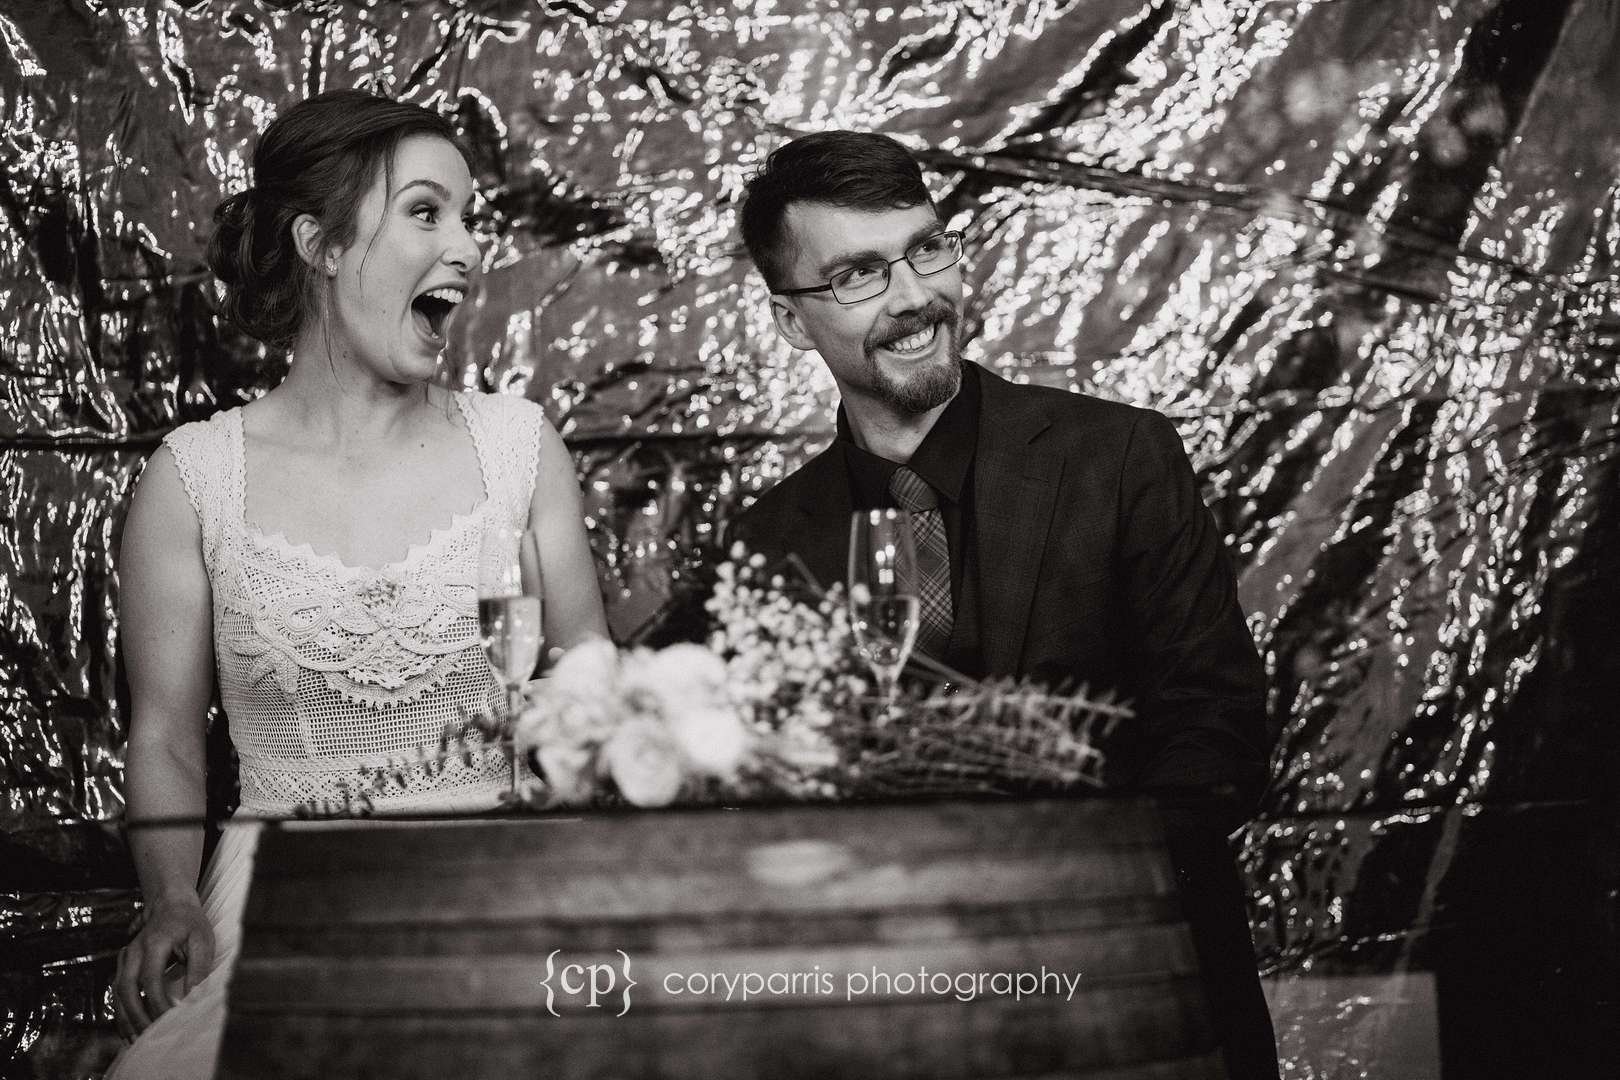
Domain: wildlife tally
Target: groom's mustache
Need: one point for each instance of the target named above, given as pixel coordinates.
(936, 312)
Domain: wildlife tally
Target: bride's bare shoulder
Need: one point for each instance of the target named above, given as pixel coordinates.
(160, 511)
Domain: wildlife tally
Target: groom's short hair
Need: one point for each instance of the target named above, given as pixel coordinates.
(857, 170)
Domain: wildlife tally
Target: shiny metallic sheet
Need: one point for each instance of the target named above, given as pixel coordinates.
(1363, 252)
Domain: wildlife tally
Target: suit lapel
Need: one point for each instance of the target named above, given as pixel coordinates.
(1015, 482)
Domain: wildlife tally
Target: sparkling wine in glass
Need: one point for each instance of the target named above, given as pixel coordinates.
(883, 604)
(510, 615)
(512, 635)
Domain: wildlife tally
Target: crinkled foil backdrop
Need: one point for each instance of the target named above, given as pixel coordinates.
(1363, 252)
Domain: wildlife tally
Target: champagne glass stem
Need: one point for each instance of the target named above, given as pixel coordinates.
(887, 677)
(514, 702)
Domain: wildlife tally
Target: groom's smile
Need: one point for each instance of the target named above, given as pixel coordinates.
(915, 337)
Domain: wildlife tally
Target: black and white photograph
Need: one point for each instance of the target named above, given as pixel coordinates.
(809, 539)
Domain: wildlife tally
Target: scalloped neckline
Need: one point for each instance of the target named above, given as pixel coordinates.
(303, 550)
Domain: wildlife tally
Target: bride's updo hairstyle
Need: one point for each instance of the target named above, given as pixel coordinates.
(320, 158)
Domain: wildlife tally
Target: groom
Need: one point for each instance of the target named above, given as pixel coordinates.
(1061, 538)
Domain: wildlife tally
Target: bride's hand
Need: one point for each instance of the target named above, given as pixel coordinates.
(173, 931)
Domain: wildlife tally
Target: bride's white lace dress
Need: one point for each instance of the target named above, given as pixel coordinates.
(326, 670)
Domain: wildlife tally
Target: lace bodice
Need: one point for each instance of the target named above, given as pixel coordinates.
(326, 669)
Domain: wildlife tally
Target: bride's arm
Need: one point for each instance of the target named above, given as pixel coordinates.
(573, 597)
(167, 637)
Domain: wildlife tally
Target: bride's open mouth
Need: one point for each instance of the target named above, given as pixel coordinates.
(431, 310)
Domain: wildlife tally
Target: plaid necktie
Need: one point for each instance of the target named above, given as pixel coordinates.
(913, 493)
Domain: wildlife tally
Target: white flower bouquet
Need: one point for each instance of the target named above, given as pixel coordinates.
(778, 706)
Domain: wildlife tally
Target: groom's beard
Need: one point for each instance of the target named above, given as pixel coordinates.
(931, 385)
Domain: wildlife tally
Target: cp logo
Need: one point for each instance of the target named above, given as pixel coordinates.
(586, 985)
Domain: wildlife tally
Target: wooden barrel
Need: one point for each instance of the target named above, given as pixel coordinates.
(953, 939)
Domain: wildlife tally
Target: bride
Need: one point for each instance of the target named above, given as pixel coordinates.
(317, 549)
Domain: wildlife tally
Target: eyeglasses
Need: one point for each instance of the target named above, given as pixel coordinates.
(866, 280)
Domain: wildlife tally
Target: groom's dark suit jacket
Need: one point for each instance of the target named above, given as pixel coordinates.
(1095, 562)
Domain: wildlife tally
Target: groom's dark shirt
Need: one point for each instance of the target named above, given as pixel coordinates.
(944, 458)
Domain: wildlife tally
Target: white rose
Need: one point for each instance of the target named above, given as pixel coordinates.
(645, 763)
(586, 670)
(688, 688)
(690, 667)
(569, 773)
(567, 720)
(679, 677)
(712, 739)
(574, 705)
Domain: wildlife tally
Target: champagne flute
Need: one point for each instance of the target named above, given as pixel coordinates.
(883, 604)
(509, 617)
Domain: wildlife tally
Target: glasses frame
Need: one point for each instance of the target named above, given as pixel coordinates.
(954, 235)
